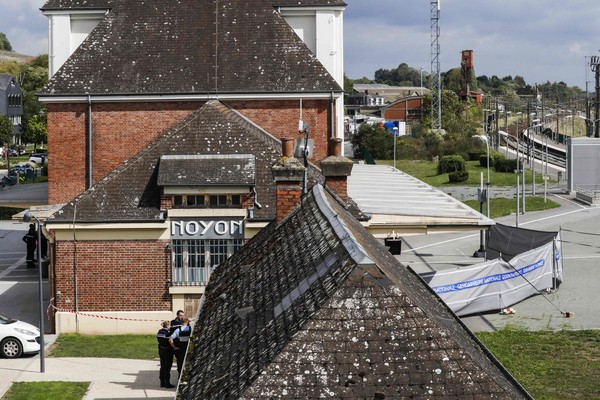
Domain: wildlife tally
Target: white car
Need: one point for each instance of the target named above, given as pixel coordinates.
(17, 338)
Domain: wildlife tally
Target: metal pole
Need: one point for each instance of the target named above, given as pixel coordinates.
(487, 196)
(41, 294)
(517, 213)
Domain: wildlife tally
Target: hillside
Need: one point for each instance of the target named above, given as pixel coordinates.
(13, 56)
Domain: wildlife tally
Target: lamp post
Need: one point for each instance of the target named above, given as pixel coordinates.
(520, 164)
(481, 251)
(395, 138)
(28, 216)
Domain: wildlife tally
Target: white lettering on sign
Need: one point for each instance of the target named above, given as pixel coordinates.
(207, 229)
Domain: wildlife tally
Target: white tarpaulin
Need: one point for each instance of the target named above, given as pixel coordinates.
(498, 284)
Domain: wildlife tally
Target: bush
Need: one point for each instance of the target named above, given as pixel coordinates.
(505, 166)
(451, 163)
(494, 158)
(458, 176)
(475, 156)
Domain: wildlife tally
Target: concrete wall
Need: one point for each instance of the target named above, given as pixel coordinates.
(583, 163)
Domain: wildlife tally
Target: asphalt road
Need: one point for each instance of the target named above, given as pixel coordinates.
(19, 285)
(581, 252)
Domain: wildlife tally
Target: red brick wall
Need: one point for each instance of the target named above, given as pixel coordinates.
(339, 184)
(121, 130)
(397, 112)
(280, 119)
(114, 275)
(288, 198)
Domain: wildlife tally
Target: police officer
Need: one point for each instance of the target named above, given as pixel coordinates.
(30, 239)
(165, 352)
(183, 335)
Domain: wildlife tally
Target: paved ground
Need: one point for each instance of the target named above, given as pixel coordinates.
(581, 251)
(110, 378)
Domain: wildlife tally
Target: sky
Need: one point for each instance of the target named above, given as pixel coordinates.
(540, 40)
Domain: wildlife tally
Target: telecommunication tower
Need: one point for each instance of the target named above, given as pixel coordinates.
(436, 84)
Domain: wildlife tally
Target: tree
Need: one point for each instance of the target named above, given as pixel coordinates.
(37, 129)
(374, 139)
(4, 43)
(401, 76)
(6, 130)
(32, 77)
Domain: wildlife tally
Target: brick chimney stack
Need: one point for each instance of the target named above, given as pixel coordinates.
(288, 174)
(336, 169)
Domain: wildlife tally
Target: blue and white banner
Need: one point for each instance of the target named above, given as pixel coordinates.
(497, 284)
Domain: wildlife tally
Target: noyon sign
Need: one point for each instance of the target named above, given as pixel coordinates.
(207, 228)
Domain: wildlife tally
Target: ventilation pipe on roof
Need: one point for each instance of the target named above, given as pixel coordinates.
(89, 161)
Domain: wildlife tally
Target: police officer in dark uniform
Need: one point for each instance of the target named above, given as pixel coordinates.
(165, 352)
(30, 239)
(183, 335)
(175, 324)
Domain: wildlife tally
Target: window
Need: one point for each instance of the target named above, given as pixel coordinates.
(207, 201)
(194, 260)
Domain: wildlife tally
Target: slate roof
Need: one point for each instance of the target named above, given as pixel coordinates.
(207, 170)
(5, 80)
(105, 4)
(131, 191)
(315, 307)
(186, 47)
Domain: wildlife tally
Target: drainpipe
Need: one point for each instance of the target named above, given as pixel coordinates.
(332, 108)
(90, 155)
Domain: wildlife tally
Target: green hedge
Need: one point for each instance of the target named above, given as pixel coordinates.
(506, 165)
(458, 176)
(451, 163)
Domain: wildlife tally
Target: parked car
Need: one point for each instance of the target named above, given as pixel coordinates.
(17, 338)
(39, 158)
(10, 152)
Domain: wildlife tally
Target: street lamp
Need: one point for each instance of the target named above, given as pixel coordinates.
(395, 138)
(487, 184)
(520, 156)
(481, 251)
(28, 216)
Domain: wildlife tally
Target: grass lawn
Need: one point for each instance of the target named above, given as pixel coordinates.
(427, 172)
(500, 207)
(137, 347)
(550, 364)
(46, 391)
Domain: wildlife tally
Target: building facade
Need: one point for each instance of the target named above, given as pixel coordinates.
(11, 102)
(164, 132)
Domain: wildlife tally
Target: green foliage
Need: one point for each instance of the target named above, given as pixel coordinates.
(6, 130)
(32, 77)
(37, 128)
(451, 164)
(47, 390)
(375, 139)
(4, 43)
(348, 84)
(458, 176)
(506, 165)
(401, 76)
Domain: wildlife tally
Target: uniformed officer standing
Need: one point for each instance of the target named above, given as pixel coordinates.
(165, 352)
(183, 335)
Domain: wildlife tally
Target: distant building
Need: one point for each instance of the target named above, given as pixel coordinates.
(407, 109)
(11, 102)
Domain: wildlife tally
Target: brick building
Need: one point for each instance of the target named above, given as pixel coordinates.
(164, 131)
(407, 109)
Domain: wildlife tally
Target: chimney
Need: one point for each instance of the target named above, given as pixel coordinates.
(288, 174)
(337, 169)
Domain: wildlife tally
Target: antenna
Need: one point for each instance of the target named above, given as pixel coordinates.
(436, 85)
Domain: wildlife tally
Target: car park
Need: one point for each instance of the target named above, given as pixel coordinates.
(18, 338)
